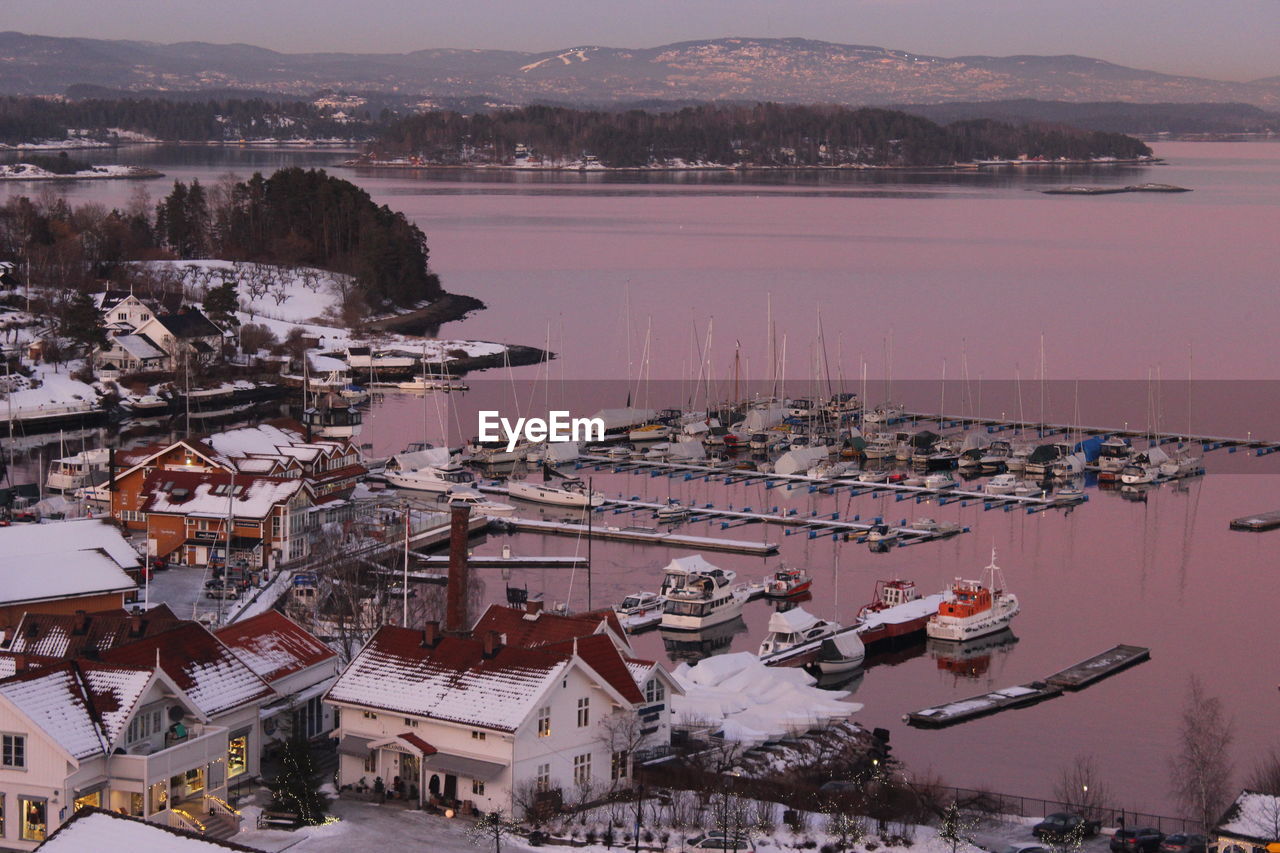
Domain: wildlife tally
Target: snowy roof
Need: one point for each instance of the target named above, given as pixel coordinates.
(451, 680)
(692, 564)
(791, 621)
(98, 829)
(1253, 817)
(200, 665)
(139, 346)
(435, 457)
(273, 645)
(215, 493)
(189, 324)
(522, 628)
(78, 558)
(64, 635)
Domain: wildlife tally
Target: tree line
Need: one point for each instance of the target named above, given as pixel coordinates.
(761, 135)
(32, 119)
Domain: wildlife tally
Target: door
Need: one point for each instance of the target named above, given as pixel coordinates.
(411, 773)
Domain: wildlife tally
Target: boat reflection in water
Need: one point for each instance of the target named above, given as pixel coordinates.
(693, 646)
(972, 659)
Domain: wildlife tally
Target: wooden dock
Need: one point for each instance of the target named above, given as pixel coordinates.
(476, 561)
(1259, 522)
(1098, 667)
(1077, 677)
(646, 536)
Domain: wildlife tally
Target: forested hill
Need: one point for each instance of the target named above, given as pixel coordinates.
(24, 120)
(760, 135)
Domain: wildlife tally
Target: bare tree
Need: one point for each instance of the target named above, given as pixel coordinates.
(622, 732)
(1265, 778)
(493, 828)
(1081, 788)
(1201, 769)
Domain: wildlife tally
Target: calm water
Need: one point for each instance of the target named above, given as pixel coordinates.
(967, 268)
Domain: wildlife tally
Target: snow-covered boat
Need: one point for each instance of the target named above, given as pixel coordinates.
(896, 612)
(976, 608)
(795, 637)
(640, 610)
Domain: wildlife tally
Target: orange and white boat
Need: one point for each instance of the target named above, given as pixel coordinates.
(787, 583)
(975, 609)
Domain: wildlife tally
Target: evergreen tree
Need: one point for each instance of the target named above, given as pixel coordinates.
(296, 788)
(82, 322)
(221, 303)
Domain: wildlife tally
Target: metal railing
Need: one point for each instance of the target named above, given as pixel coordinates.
(1013, 804)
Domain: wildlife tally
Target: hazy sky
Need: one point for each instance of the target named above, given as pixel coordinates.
(1226, 39)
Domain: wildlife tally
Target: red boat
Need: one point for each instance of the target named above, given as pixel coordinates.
(787, 583)
(895, 613)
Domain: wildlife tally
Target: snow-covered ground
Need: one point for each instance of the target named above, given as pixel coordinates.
(57, 393)
(30, 172)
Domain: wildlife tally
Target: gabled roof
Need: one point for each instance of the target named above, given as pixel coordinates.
(1252, 817)
(522, 628)
(273, 645)
(215, 493)
(77, 558)
(598, 652)
(82, 705)
(188, 324)
(200, 665)
(139, 346)
(98, 829)
(65, 635)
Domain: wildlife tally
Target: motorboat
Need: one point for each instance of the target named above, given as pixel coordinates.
(672, 511)
(881, 537)
(883, 415)
(1143, 467)
(798, 638)
(873, 476)
(1041, 461)
(996, 456)
(1182, 463)
(938, 529)
(547, 494)
(787, 583)
(1018, 457)
(839, 653)
(650, 432)
(975, 609)
(1001, 484)
(940, 481)
(430, 478)
(481, 505)
(700, 598)
(1113, 455)
(880, 447)
(640, 610)
(72, 472)
(146, 404)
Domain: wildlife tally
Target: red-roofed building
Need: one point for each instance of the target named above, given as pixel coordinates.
(473, 719)
(524, 627)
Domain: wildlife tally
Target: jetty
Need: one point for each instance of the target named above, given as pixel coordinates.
(1134, 188)
(1076, 677)
(1259, 522)
(643, 535)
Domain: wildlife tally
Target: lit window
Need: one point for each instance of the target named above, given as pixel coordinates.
(34, 818)
(477, 787)
(544, 721)
(584, 711)
(237, 753)
(582, 768)
(618, 768)
(13, 752)
(371, 763)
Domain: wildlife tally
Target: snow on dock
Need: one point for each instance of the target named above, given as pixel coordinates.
(1076, 677)
(640, 534)
(1258, 522)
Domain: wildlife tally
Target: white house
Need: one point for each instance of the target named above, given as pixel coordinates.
(123, 737)
(1250, 825)
(481, 722)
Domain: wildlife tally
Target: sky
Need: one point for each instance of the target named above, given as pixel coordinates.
(1223, 39)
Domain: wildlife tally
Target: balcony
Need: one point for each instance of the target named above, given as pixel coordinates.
(203, 745)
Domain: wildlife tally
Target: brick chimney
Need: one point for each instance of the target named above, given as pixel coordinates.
(492, 643)
(455, 619)
(430, 634)
(81, 625)
(533, 605)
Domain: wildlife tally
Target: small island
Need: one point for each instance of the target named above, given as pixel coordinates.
(65, 168)
(1134, 188)
(709, 138)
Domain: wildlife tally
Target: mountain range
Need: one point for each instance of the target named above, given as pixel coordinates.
(737, 69)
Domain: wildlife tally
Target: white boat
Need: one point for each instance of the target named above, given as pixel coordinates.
(842, 652)
(882, 415)
(432, 382)
(672, 511)
(462, 495)
(940, 482)
(1144, 467)
(792, 634)
(1041, 461)
(976, 608)
(495, 452)
(702, 597)
(1068, 466)
(650, 432)
(937, 528)
(640, 603)
(881, 536)
(430, 478)
(1113, 455)
(71, 472)
(996, 455)
(547, 494)
(1017, 460)
(880, 447)
(1182, 463)
(873, 476)
(146, 404)
(1001, 484)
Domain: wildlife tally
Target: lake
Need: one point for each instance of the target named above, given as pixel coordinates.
(905, 271)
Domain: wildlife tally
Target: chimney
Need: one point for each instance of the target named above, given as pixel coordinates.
(455, 619)
(111, 470)
(81, 623)
(492, 643)
(19, 663)
(533, 605)
(430, 634)
(135, 625)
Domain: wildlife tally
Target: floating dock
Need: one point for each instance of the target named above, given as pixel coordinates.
(1076, 677)
(1261, 521)
(491, 562)
(643, 535)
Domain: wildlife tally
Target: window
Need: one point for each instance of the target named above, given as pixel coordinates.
(238, 753)
(13, 752)
(92, 798)
(584, 711)
(582, 768)
(371, 762)
(34, 816)
(1, 815)
(143, 726)
(477, 787)
(475, 735)
(544, 721)
(618, 767)
(413, 724)
(159, 796)
(543, 777)
(369, 715)
(654, 691)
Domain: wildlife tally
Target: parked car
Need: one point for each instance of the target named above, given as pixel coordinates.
(1144, 840)
(1063, 825)
(1183, 843)
(1022, 848)
(718, 841)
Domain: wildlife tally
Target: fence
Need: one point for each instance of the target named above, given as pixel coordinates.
(1012, 804)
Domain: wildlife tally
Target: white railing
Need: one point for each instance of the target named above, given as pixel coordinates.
(219, 806)
(179, 819)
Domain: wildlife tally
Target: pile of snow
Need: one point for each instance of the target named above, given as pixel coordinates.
(57, 394)
(751, 702)
(30, 172)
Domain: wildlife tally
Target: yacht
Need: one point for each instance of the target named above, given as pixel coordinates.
(431, 478)
(1113, 455)
(1001, 484)
(481, 505)
(996, 456)
(72, 472)
(547, 494)
(700, 598)
(796, 636)
(976, 608)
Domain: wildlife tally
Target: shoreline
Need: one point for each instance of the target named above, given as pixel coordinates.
(133, 173)
(953, 167)
(449, 308)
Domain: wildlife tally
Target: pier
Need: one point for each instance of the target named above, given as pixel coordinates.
(1076, 677)
(1259, 522)
(647, 536)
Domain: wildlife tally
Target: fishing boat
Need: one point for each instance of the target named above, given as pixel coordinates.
(430, 478)
(896, 612)
(787, 583)
(71, 472)
(976, 608)
(547, 494)
(701, 598)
